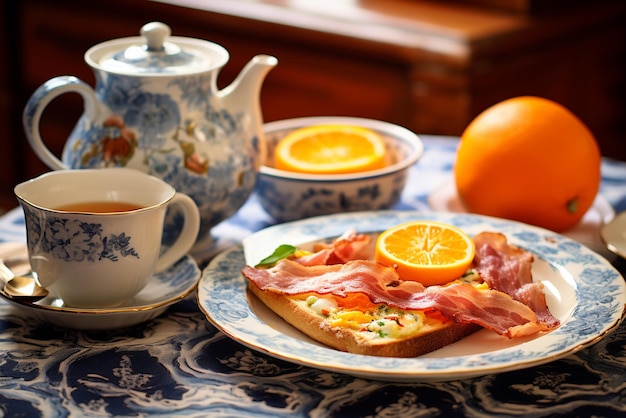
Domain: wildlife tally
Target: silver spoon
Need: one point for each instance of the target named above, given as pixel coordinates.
(20, 287)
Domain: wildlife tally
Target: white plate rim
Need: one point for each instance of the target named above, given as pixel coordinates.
(223, 298)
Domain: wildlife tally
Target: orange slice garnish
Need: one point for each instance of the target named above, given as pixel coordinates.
(429, 252)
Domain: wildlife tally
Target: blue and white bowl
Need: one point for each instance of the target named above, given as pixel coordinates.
(288, 196)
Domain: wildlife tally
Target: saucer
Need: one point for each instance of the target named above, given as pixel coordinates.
(614, 235)
(587, 231)
(163, 289)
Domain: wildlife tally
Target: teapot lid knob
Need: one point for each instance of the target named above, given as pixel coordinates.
(155, 34)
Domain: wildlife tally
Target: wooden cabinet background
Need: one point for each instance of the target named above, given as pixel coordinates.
(430, 66)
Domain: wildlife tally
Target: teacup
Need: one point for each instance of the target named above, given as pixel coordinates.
(94, 236)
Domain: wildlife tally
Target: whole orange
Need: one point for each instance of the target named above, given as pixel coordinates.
(528, 159)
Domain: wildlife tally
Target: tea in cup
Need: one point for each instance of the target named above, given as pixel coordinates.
(94, 235)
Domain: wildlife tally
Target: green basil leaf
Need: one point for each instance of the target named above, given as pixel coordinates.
(280, 253)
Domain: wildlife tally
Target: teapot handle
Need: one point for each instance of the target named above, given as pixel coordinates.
(37, 103)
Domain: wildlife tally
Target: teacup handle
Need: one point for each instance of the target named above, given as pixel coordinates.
(37, 103)
(188, 235)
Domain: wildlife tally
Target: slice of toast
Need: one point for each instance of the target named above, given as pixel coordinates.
(380, 338)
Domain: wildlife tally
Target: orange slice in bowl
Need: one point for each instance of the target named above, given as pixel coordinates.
(330, 149)
(432, 253)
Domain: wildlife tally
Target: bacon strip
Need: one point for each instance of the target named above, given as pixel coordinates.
(508, 269)
(490, 309)
(344, 248)
(356, 276)
(459, 302)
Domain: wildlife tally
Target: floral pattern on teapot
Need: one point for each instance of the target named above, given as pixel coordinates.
(151, 126)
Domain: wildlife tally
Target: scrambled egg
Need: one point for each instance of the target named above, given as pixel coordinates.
(381, 322)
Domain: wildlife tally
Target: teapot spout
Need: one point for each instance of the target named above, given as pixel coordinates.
(244, 94)
(246, 88)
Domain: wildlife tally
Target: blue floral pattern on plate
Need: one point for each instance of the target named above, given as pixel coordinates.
(583, 290)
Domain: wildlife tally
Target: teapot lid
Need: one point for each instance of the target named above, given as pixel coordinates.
(156, 52)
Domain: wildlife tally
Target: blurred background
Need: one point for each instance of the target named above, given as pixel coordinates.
(430, 66)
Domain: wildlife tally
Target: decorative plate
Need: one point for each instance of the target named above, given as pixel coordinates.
(163, 289)
(582, 289)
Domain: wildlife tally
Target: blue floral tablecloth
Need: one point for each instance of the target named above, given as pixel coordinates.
(178, 364)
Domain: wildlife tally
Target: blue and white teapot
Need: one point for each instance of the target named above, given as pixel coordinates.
(156, 108)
